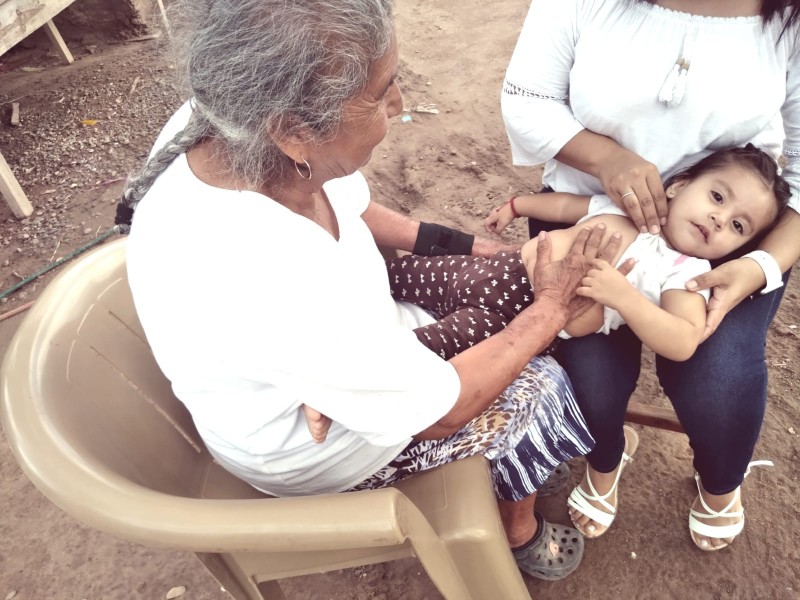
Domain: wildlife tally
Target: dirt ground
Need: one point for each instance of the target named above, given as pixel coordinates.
(85, 126)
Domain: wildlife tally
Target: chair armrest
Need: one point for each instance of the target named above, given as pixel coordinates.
(122, 508)
(324, 522)
(101, 498)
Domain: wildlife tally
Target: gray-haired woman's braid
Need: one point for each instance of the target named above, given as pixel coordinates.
(138, 185)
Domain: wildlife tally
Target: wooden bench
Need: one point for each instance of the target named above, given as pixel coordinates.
(18, 19)
(653, 416)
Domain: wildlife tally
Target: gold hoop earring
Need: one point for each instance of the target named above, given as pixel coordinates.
(299, 172)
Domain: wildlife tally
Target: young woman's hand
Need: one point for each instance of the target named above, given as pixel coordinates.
(500, 218)
(730, 283)
(634, 184)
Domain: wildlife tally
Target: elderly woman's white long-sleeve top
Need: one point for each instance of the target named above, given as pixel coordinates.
(600, 65)
(253, 310)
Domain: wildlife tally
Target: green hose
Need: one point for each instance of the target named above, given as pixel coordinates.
(59, 262)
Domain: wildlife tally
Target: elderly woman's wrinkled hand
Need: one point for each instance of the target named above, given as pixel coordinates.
(484, 247)
(318, 424)
(559, 280)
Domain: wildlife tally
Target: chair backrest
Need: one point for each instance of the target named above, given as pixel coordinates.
(100, 391)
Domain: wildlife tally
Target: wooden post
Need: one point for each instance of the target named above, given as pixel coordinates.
(164, 16)
(11, 190)
(55, 37)
(15, 114)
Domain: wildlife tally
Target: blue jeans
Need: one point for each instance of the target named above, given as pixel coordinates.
(719, 394)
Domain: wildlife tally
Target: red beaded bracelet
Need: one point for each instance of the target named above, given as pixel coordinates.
(513, 208)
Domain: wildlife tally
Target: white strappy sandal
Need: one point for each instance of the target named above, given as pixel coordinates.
(580, 499)
(719, 531)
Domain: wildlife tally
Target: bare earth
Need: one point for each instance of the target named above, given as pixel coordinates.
(450, 167)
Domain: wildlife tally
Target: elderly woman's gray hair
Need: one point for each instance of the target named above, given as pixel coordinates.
(257, 67)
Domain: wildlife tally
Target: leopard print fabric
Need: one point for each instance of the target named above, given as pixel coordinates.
(530, 429)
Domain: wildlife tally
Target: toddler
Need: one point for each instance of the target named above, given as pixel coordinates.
(727, 200)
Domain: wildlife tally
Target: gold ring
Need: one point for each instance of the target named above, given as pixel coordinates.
(626, 194)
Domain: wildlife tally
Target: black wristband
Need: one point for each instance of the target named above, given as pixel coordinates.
(438, 240)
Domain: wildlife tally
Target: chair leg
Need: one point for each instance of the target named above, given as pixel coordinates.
(433, 553)
(479, 550)
(441, 568)
(236, 582)
(488, 569)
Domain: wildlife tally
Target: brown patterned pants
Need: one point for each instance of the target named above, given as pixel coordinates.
(474, 297)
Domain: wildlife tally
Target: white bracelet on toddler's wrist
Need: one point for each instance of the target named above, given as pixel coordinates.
(769, 265)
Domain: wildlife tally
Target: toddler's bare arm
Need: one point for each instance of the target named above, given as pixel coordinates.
(554, 207)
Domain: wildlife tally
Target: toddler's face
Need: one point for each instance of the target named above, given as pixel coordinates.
(718, 212)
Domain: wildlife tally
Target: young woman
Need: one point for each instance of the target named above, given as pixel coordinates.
(612, 93)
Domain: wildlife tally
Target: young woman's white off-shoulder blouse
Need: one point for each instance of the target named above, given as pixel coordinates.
(600, 65)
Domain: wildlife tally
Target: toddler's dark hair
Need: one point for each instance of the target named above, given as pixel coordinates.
(750, 157)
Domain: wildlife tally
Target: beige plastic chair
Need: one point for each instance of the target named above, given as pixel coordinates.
(94, 424)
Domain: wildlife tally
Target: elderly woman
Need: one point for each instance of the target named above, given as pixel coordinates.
(251, 210)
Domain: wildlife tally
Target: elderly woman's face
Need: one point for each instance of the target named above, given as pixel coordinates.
(366, 121)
